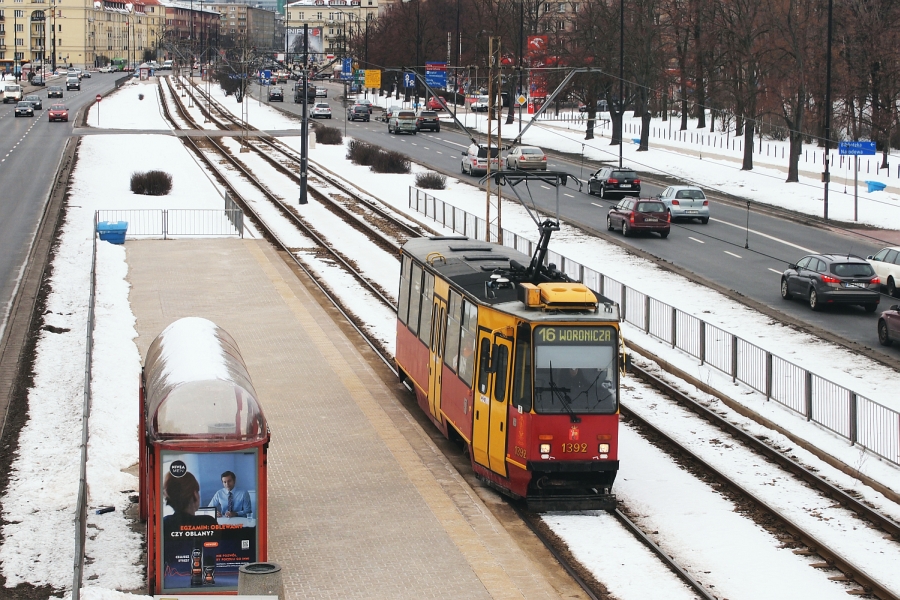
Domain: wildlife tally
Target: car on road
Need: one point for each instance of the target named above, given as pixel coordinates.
(475, 159)
(73, 83)
(38, 80)
(526, 158)
(321, 92)
(480, 104)
(636, 215)
(428, 119)
(686, 202)
(436, 103)
(886, 263)
(54, 91)
(358, 112)
(36, 101)
(24, 109)
(86, 74)
(365, 102)
(276, 94)
(12, 92)
(403, 121)
(889, 326)
(321, 76)
(108, 69)
(58, 112)
(321, 110)
(389, 112)
(607, 181)
(823, 279)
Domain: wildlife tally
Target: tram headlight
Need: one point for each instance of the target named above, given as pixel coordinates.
(603, 449)
(545, 448)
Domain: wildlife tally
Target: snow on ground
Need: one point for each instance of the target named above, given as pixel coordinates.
(37, 507)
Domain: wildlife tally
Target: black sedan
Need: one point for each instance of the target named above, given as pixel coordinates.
(614, 180)
(889, 325)
(36, 102)
(54, 91)
(823, 279)
(24, 109)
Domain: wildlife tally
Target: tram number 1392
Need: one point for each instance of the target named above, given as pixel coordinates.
(574, 448)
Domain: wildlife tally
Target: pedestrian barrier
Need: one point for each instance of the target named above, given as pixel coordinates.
(170, 223)
(860, 420)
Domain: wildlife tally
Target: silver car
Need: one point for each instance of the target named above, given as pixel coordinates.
(320, 110)
(686, 202)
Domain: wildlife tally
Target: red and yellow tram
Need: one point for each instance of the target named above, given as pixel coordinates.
(518, 362)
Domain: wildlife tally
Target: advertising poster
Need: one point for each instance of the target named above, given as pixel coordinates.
(208, 529)
(294, 42)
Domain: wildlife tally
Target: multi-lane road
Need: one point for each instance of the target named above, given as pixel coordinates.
(30, 151)
(727, 252)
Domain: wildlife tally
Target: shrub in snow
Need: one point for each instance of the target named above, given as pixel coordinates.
(431, 181)
(362, 153)
(151, 183)
(330, 136)
(390, 162)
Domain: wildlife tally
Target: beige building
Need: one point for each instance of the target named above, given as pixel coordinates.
(340, 20)
(83, 34)
(241, 22)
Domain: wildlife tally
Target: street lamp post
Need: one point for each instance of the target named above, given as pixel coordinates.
(826, 176)
(622, 75)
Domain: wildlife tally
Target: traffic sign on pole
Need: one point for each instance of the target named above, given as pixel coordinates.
(99, 98)
(856, 148)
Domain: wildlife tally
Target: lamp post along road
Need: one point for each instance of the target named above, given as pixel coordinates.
(826, 176)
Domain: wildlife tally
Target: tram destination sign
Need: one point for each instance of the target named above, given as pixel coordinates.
(856, 148)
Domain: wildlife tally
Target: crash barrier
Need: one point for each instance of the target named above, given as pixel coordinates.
(181, 222)
(860, 420)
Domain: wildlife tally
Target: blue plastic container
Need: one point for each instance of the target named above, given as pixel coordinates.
(636, 140)
(112, 231)
(876, 186)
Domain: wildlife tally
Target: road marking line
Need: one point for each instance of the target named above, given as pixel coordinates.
(569, 195)
(765, 235)
(426, 147)
(733, 254)
(598, 205)
(545, 187)
(696, 240)
(774, 271)
(439, 152)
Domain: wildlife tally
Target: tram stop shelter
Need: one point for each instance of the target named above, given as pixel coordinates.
(203, 440)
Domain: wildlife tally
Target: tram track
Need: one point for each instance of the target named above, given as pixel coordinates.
(831, 557)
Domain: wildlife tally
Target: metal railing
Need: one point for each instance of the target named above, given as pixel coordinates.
(860, 420)
(180, 222)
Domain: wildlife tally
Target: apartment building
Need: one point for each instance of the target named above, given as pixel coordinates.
(246, 24)
(338, 20)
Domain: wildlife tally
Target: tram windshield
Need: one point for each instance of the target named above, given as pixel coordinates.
(575, 370)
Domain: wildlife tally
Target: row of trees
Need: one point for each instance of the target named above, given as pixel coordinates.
(727, 63)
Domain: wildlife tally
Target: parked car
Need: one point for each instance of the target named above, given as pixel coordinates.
(107, 69)
(358, 112)
(402, 121)
(35, 100)
(889, 325)
(526, 157)
(365, 102)
(276, 94)
(73, 83)
(58, 112)
(687, 202)
(886, 263)
(54, 91)
(389, 112)
(320, 110)
(480, 104)
(321, 92)
(475, 158)
(609, 180)
(634, 215)
(824, 279)
(427, 119)
(436, 103)
(24, 109)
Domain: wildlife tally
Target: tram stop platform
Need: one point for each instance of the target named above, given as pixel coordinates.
(362, 503)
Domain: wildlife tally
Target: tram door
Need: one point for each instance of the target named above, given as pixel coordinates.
(489, 427)
(436, 352)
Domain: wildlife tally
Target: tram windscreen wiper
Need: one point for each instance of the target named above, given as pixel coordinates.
(561, 393)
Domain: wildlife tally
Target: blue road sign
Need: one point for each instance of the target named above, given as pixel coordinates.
(436, 74)
(409, 79)
(347, 69)
(856, 148)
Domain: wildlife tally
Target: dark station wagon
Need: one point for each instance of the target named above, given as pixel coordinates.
(633, 215)
(823, 279)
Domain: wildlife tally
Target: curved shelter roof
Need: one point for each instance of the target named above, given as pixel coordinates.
(197, 386)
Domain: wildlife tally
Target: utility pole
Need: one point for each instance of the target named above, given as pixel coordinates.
(493, 206)
(826, 176)
(304, 134)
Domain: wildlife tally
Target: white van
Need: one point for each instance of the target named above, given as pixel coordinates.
(167, 65)
(12, 92)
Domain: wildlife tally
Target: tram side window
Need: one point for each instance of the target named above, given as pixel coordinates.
(501, 358)
(521, 393)
(484, 361)
(454, 323)
(427, 308)
(403, 294)
(415, 295)
(467, 341)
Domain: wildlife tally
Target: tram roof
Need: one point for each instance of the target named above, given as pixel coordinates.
(469, 264)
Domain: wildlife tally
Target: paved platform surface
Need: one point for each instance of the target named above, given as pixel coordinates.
(361, 502)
